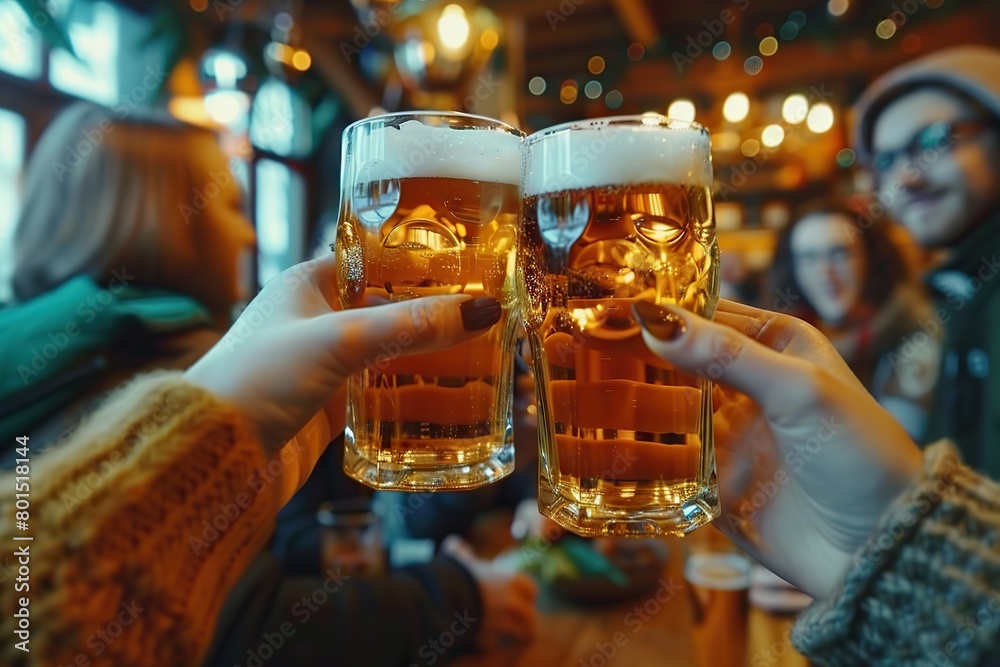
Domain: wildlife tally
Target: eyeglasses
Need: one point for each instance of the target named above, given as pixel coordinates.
(839, 255)
(935, 137)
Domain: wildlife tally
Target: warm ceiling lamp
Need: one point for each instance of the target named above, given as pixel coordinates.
(794, 109)
(736, 107)
(820, 118)
(772, 136)
(453, 27)
(681, 110)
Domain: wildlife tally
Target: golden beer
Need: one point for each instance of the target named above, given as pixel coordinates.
(429, 207)
(617, 211)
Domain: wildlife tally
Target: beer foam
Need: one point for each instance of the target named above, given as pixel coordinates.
(413, 149)
(601, 152)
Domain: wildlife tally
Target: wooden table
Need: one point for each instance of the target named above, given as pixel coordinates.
(654, 629)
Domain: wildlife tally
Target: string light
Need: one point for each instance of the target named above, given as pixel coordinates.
(681, 110)
(837, 7)
(736, 107)
(820, 118)
(772, 136)
(886, 28)
(453, 27)
(794, 109)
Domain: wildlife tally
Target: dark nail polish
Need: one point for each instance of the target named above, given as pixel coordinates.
(658, 320)
(480, 313)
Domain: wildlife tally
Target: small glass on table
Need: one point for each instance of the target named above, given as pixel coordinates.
(351, 539)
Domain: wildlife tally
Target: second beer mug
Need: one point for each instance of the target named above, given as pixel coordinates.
(429, 206)
(616, 211)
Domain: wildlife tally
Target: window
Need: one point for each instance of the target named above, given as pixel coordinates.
(20, 42)
(280, 218)
(12, 134)
(93, 28)
(280, 128)
(280, 122)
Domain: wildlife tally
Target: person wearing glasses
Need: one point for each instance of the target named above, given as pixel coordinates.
(842, 273)
(930, 130)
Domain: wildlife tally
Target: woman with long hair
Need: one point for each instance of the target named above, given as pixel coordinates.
(841, 272)
(128, 256)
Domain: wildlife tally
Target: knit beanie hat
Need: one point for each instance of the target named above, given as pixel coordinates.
(970, 70)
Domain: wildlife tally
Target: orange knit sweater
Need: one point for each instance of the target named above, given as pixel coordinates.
(142, 521)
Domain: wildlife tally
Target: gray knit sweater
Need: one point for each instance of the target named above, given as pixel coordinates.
(925, 589)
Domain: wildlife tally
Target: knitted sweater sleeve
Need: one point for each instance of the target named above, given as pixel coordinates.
(141, 522)
(925, 589)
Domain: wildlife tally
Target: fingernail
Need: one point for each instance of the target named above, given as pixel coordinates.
(480, 313)
(658, 321)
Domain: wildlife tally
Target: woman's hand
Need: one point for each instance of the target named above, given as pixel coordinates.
(808, 461)
(286, 359)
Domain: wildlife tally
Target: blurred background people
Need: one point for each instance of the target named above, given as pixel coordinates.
(844, 275)
(116, 268)
(931, 132)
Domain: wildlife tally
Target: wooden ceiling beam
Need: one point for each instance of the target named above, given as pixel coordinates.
(578, 37)
(638, 21)
(801, 63)
(332, 66)
(533, 9)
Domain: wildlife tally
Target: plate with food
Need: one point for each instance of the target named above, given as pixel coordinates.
(595, 571)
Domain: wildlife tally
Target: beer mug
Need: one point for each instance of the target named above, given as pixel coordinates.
(429, 207)
(616, 211)
(718, 581)
(351, 538)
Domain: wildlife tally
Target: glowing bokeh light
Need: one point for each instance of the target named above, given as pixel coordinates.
(453, 27)
(772, 136)
(794, 109)
(837, 7)
(820, 118)
(886, 28)
(736, 107)
(681, 110)
(753, 65)
(721, 50)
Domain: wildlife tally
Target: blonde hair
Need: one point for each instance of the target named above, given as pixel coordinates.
(103, 192)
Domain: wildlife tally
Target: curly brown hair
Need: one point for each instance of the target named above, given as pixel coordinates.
(886, 268)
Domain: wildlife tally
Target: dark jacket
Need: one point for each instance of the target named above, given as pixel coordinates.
(967, 306)
(275, 619)
(378, 621)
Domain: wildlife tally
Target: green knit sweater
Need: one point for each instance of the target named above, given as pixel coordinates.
(925, 589)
